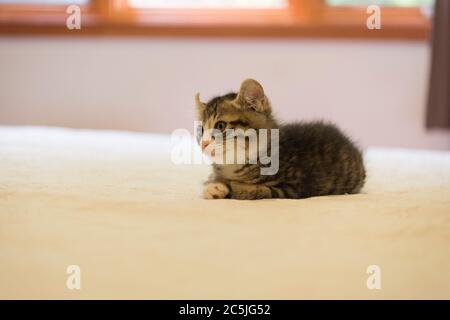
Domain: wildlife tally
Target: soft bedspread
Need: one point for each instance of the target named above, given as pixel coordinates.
(115, 205)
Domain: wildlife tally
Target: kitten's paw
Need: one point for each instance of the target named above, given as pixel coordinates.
(215, 190)
(240, 191)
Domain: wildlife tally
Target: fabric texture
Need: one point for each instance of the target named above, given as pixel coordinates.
(114, 204)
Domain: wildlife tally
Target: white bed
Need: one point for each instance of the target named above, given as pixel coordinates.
(114, 204)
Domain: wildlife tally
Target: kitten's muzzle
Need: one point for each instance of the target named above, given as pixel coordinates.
(205, 144)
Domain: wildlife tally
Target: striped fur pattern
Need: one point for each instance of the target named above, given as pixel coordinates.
(315, 158)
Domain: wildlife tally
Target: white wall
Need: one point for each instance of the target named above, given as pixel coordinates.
(376, 91)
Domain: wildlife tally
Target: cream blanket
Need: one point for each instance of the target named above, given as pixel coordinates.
(114, 204)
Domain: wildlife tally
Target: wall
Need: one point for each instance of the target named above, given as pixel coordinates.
(376, 91)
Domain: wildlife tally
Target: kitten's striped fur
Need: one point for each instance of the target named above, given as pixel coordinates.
(314, 158)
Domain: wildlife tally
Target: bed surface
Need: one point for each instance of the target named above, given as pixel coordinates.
(114, 204)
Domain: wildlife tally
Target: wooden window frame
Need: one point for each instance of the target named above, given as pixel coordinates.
(302, 18)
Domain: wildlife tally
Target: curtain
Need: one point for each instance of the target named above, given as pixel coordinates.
(438, 109)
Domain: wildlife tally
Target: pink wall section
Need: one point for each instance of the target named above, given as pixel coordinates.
(376, 91)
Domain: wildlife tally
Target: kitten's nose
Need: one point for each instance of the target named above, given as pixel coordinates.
(205, 144)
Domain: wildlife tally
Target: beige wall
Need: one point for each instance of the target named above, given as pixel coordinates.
(376, 91)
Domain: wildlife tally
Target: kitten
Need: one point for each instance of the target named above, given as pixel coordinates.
(315, 158)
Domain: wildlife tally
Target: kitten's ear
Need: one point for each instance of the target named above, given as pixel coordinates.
(200, 105)
(251, 95)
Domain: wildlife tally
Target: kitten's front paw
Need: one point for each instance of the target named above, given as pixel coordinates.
(241, 191)
(215, 190)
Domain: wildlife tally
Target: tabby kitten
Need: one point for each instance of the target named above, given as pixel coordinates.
(315, 158)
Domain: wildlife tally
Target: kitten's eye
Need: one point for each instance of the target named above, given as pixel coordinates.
(199, 132)
(220, 125)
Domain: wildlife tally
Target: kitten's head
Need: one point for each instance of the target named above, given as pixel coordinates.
(249, 108)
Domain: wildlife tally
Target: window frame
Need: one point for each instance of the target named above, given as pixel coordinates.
(302, 18)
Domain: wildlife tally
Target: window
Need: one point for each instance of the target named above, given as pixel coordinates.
(44, 2)
(425, 6)
(389, 3)
(223, 4)
(401, 19)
